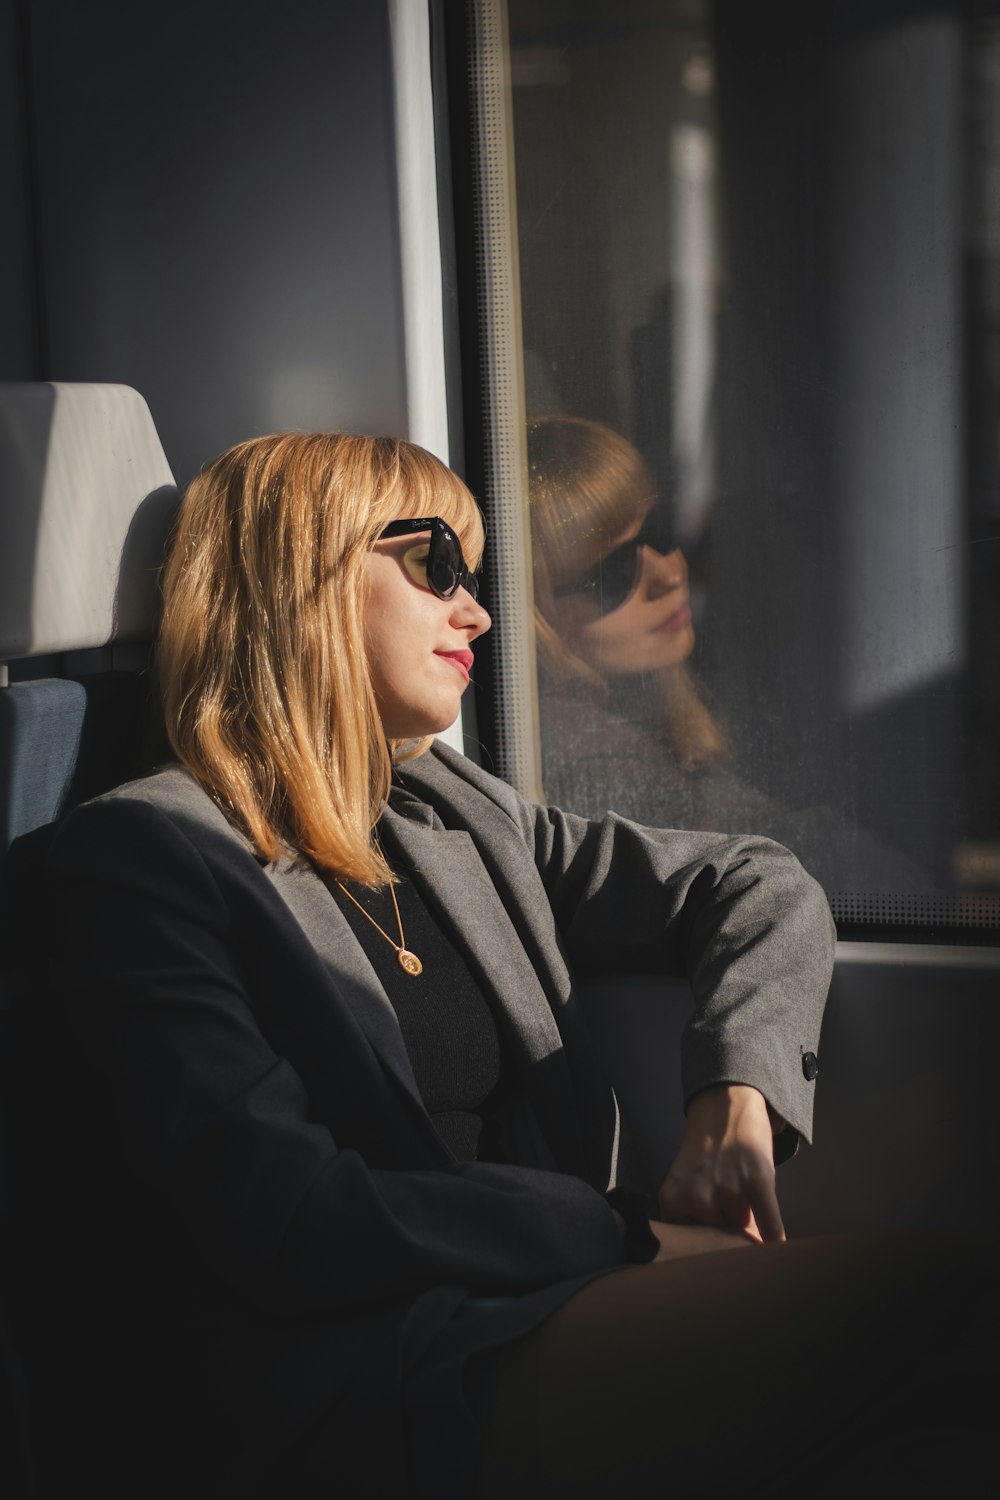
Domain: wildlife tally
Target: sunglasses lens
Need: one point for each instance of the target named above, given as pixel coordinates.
(442, 566)
(441, 572)
(618, 575)
(447, 572)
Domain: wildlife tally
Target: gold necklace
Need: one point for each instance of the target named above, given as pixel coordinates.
(407, 960)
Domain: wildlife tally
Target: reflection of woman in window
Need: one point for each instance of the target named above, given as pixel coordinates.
(624, 720)
(615, 630)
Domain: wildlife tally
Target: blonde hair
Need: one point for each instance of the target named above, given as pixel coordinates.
(588, 486)
(267, 694)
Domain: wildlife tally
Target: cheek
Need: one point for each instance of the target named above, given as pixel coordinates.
(385, 649)
(384, 612)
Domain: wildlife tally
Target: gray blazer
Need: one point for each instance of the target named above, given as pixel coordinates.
(310, 1235)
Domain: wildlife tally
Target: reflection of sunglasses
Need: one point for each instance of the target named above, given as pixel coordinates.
(445, 567)
(614, 577)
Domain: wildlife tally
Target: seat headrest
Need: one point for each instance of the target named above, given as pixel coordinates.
(88, 499)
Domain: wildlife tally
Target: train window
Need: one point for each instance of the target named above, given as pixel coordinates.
(736, 324)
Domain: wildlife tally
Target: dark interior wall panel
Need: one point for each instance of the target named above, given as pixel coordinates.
(906, 1125)
(217, 213)
(18, 332)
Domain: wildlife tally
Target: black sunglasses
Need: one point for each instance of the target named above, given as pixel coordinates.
(615, 577)
(445, 567)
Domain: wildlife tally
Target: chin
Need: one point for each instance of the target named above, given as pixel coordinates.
(677, 649)
(418, 725)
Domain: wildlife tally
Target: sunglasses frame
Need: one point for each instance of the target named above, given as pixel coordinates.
(443, 541)
(612, 588)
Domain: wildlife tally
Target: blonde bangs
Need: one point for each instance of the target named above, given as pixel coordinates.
(587, 487)
(418, 484)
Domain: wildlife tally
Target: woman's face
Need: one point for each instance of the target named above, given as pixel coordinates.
(418, 645)
(652, 629)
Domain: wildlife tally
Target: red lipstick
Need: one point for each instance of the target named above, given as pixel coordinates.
(461, 659)
(679, 620)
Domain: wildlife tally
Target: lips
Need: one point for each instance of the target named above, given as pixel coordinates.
(461, 659)
(679, 620)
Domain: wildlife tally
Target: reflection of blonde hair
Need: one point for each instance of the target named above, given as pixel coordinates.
(587, 487)
(267, 694)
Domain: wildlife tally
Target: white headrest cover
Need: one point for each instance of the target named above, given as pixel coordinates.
(86, 498)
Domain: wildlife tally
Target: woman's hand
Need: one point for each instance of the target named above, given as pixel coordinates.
(723, 1175)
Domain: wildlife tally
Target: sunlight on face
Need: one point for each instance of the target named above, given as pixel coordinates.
(418, 645)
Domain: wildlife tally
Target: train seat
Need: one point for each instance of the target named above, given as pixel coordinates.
(88, 497)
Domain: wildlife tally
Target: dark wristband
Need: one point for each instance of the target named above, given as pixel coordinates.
(639, 1241)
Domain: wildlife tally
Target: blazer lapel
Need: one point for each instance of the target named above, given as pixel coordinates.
(466, 902)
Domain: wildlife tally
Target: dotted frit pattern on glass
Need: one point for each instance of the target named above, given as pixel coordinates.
(498, 306)
(898, 909)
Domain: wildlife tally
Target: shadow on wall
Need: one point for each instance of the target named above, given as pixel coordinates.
(25, 428)
(137, 595)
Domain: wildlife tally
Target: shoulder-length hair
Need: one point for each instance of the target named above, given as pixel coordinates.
(266, 688)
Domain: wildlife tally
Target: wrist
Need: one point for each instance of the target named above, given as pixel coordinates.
(719, 1103)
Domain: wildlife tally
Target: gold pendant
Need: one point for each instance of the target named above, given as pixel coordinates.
(409, 961)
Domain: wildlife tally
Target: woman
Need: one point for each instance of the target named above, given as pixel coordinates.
(623, 718)
(350, 1217)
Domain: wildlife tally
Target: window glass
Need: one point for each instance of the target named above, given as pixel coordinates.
(759, 280)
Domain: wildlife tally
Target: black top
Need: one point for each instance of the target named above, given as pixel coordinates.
(448, 1027)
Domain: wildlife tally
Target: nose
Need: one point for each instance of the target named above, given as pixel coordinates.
(469, 615)
(662, 572)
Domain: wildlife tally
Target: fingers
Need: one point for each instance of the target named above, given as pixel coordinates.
(730, 1190)
(747, 1197)
(749, 1204)
(699, 1199)
(766, 1211)
(724, 1172)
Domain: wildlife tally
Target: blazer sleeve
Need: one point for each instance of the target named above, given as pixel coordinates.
(738, 916)
(150, 970)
